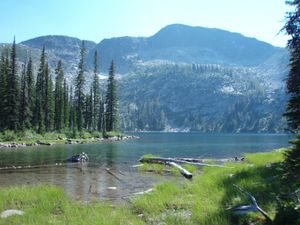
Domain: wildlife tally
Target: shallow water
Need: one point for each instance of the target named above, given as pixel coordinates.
(92, 180)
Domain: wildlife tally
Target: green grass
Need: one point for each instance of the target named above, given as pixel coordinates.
(210, 195)
(205, 200)
(49, 205)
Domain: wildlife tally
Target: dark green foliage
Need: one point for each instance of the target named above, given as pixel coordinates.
(292, 165)
(48, 100)
(66, 105)
(96, 96)
(79, 90)
(25, 113)
(39, 114)
(41, 108)
(111, 101)
(288, 211)
(72, 117)
(89, 109)
(4, 63)
(13, 91)
(292, 28)
(31, 89)
(287, 214)
(101, 119)
(59, 95)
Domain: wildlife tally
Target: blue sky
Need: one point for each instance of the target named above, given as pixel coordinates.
(98, 19)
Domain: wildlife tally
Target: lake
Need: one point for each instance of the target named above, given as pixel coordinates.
(109, 174)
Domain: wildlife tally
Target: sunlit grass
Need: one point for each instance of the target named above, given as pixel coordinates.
(50, 205)
(210, 195)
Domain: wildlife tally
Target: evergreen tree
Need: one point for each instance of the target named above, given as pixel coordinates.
(101, 115)
(59, 98)
(49, 106)
(66, 105)
(4, 64)
(79, 90)
(90, 111)
(24, 102)
(96, 95)
(72, 117)
(31, 89)
(111, 101)
(12, 117)
(292, 28)
(288, 208)
(39, 113)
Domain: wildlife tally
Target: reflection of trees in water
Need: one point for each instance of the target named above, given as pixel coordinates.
(111, 155)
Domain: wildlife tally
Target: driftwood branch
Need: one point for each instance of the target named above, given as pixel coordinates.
(170, 162)
(178, 161)
(183, 171)
(249, 208)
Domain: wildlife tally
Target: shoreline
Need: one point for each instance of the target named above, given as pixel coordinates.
(66, 141)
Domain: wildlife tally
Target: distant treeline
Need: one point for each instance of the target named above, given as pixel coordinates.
(29, 101)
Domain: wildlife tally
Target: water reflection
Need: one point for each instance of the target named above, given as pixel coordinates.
(109, 174)
(111, 154)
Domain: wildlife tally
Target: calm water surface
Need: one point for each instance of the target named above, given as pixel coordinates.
(92, 181)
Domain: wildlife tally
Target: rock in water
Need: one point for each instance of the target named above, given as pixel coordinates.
(11, 212)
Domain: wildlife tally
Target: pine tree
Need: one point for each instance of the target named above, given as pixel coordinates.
(66, 105)
(59, 98)
(31, 90)
(39, 113)
(111, 101)
(72, 117)
(4, 64)
(101, 115)
(291, 178)
(13, 91)
(90, 110)
(79, 90)
(49, 106)
(24, 102)
(96, 95)
(292, 28)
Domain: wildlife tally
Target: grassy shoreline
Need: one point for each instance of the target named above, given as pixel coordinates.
(205, 200)
(10, 139)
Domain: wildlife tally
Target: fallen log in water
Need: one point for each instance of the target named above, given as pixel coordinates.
(115, 176)
(178, 161)
(244, 209)
(183, 171)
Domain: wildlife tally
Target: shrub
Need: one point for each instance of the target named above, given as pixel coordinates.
(8, 135)
(96, 134)
(85, 135)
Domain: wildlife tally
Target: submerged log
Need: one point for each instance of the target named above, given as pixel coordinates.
(244, 209)
(183, 171)
(115, 176)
